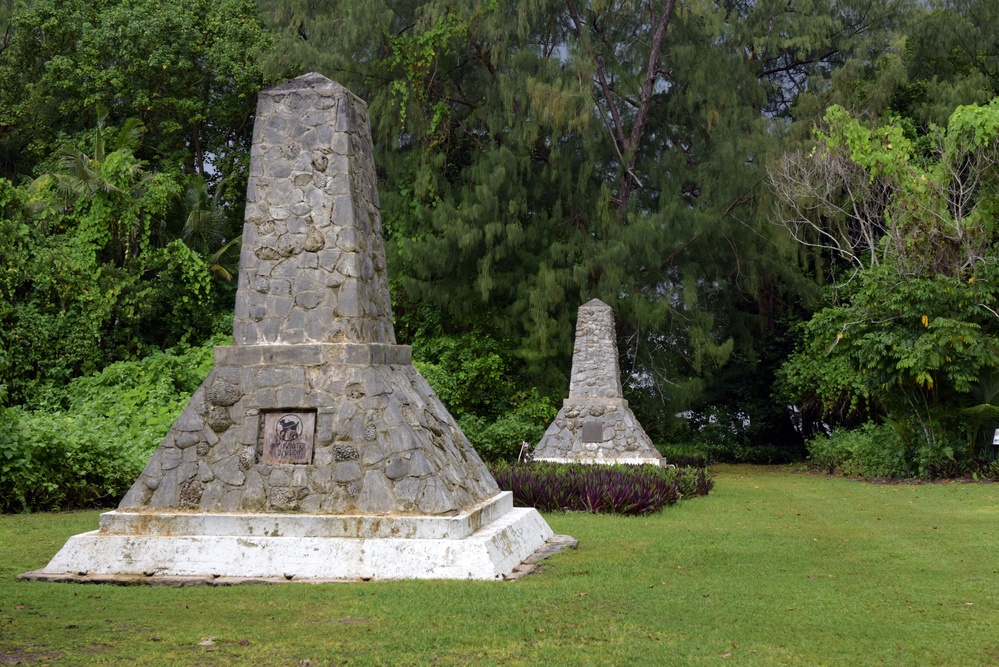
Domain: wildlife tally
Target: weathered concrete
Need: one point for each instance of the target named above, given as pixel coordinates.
(595, 424)
(530, 565)
(491, 552)
(314, 446)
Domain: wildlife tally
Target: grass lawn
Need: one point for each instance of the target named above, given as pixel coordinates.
(771, 568)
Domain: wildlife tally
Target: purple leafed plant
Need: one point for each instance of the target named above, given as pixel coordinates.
(619, 489)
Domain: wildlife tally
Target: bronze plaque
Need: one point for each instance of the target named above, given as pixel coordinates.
(288, 437)
(593, 432)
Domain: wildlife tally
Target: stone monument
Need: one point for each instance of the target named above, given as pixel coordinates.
(314, 449)
(595, 424)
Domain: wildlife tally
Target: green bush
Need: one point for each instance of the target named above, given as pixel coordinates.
(87, 444)
(885, 450)
(871, 451)
(470, 372)
(718, 434)
(500, 439)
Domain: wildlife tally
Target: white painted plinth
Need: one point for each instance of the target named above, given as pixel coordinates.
(305, 547)
(608, 461)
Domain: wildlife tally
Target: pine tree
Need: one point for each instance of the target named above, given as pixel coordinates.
(535, 155)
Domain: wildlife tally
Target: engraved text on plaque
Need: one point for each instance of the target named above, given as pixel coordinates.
(288, 437)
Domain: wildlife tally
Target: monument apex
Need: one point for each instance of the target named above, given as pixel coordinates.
(312, 265)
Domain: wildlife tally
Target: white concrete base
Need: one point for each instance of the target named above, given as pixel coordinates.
(303, 547)
(605, 461)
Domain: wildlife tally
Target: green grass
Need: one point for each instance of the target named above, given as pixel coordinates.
(771, 568)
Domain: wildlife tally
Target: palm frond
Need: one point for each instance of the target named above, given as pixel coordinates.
(215, 261)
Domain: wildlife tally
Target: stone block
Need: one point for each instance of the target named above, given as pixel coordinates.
(402, 440)
(293, 355)
(137, 496)
(282, 499)
(434, 498)
(205, 473)
(310, 504)
(419, 465)
(292, 396)
(350, 264)
(229, 471)
(249, 430)
(329, 258)
(376, 496)
(254, 497)
(347, 471)
(406, 490)
(279, 476)
(299, 476)
(308, 300)
(373, 383)
(189, 421)
(168, 458)
(321, 478)
(269, 330)
(279, 376)
(167, 494)
(357, 355)
(231, 501)
(203, 497)
(396, 468)
(187, 471)
(371, 454)
(186, 439)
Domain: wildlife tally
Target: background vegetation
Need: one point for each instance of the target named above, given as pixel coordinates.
(791, 208)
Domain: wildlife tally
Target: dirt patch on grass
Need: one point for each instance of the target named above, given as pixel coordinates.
(24, 655)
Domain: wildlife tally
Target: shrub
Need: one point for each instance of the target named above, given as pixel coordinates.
(87, 444)
(685, 456)
(500, 439)
(886, 450)
(717, 434)
(619, 489)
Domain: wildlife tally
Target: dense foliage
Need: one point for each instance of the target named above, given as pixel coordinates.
(124, 129)
(184, 68)
(85, 281)
(912, 335)
(87, 442)
(537, 155)
(618, 489)
(474, 376)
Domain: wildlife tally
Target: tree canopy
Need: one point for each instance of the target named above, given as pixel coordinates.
(536, 155)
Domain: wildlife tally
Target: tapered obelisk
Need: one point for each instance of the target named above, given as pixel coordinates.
(595, 424)
(314, 449)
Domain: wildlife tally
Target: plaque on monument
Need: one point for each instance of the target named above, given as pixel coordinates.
(288, 437)
(593, 432)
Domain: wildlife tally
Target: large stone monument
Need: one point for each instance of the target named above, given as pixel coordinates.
(314, 449)
(595, 424)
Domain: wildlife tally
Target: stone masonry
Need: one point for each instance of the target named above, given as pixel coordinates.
(595, 424)
(313, 335)
(312, 268)
(314, 450)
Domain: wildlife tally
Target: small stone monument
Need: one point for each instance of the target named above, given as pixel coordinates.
(595, 424)
(314, 449)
